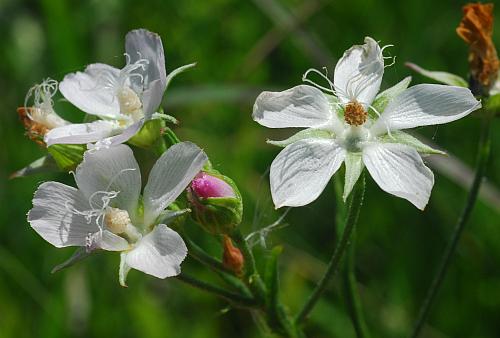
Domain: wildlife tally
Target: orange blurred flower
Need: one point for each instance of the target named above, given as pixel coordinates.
(476, 29)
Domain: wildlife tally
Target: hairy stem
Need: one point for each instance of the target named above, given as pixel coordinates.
(215, 265)
(482, 160)
(333, 265)
(353, 299)
(234, 298)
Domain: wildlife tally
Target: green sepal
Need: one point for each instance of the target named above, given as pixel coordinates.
(406, 139)
(217, 215)
(67, 156)
(385, 97)
(174, 216)
(353, 168)
(303, 134)
(123, 270)
(441, 77)
(45, 164)
(150, 132)
(80, 254)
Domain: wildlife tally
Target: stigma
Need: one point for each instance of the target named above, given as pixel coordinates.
(355, 114)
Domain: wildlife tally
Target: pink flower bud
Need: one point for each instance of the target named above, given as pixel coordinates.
(205, 186)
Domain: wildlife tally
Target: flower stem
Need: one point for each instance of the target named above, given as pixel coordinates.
(215, 265)
(251, 275)
(273, 313)
(333, 265)
(353, 299)
(234, 298)
(482, 160)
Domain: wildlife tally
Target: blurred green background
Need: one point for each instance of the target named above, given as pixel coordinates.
(242, 48)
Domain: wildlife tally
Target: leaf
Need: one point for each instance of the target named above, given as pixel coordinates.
(442, 77)
(44, 164)
(303, 134)
(407, 139)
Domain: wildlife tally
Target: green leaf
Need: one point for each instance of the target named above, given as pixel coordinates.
(67, 156)
(385, 97)
(407, 139)
(303, 134)
(44, 164)
(441, 77)
(353, 168)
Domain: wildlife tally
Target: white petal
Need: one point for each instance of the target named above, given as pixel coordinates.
(53, 216)
(300, 106)
(81, 133)
(110, 242)
(123, 137)
(111, 169)
(358, 74)
(86, 90)
(399, 170)
(170, 175)
(143, 44)
(301, 171)
(152, 97)
(159, 253)
(426, 104)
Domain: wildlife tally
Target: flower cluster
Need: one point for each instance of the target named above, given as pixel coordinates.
(346, 121)
(108, 210)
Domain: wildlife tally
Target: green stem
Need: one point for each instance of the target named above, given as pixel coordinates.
(251, 275)
(201, 256)
(274, 312)
(234, 298)
(353, 298)
(482, 160)
(333, 265)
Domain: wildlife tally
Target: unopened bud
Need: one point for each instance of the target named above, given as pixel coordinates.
(206, 186)
(232, 258)
(215, 202)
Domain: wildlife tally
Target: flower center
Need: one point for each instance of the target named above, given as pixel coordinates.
(353, 138)
(116, 220)
(130, 103)
(355, 114)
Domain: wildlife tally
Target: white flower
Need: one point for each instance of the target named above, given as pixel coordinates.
(349, 128)
(107, 211)
(122, 99)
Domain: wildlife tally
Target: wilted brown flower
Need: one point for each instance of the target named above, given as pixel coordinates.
(34, 130)
(476, 29)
